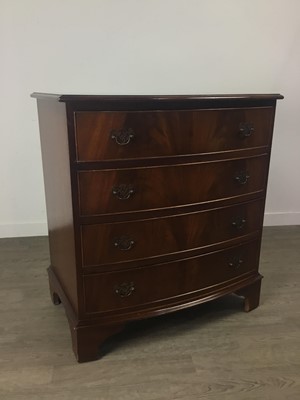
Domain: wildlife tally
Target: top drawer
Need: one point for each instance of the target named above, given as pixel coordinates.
(102, 135)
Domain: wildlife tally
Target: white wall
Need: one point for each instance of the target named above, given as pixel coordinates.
(143, 47)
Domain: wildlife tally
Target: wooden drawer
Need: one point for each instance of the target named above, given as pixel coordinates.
(134, 288)
(123, 190)
(132, 135)
(126, 241)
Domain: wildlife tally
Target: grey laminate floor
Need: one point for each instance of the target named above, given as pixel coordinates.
(213, 351)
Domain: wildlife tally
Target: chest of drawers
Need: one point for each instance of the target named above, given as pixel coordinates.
(154, 204)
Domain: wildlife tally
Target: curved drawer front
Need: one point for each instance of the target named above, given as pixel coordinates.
(128, 241)
(131, 135)
(123, 190)
(135, 288)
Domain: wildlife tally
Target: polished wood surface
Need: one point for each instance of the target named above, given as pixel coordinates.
(166, 281)
(170, 224)
(161, 98)
(169, 186)
(85, 339)
(251, 293)
(171, 133)
(176, 234)
(55, 155)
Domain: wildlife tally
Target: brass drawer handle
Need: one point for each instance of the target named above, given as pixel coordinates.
(122, 136)
(124, 243)
(239, 222)
(246, 129)
(123, 192)
(125, 289)
(235, 262)
(242, 177)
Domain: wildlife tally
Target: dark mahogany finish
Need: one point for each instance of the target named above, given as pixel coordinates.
(169, 133)
(181, 233)
(154, 203)
(167, 281)
(169, 186)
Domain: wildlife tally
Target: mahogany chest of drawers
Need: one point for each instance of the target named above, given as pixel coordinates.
(154, 203)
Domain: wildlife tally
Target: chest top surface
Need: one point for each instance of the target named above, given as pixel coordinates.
(152, 102)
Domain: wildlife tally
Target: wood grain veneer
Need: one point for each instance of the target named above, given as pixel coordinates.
(177, 233)
(165, 282)
(170, 186)
(168, 133)
(155, 203)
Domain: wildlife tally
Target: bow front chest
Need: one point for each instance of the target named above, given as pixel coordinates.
(154, 204)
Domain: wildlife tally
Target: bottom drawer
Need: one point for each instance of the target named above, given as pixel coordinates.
(133, 288)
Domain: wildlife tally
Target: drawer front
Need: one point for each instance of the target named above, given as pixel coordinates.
(128, 241)
(123, 190)
(132, 135)
(138, 287)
